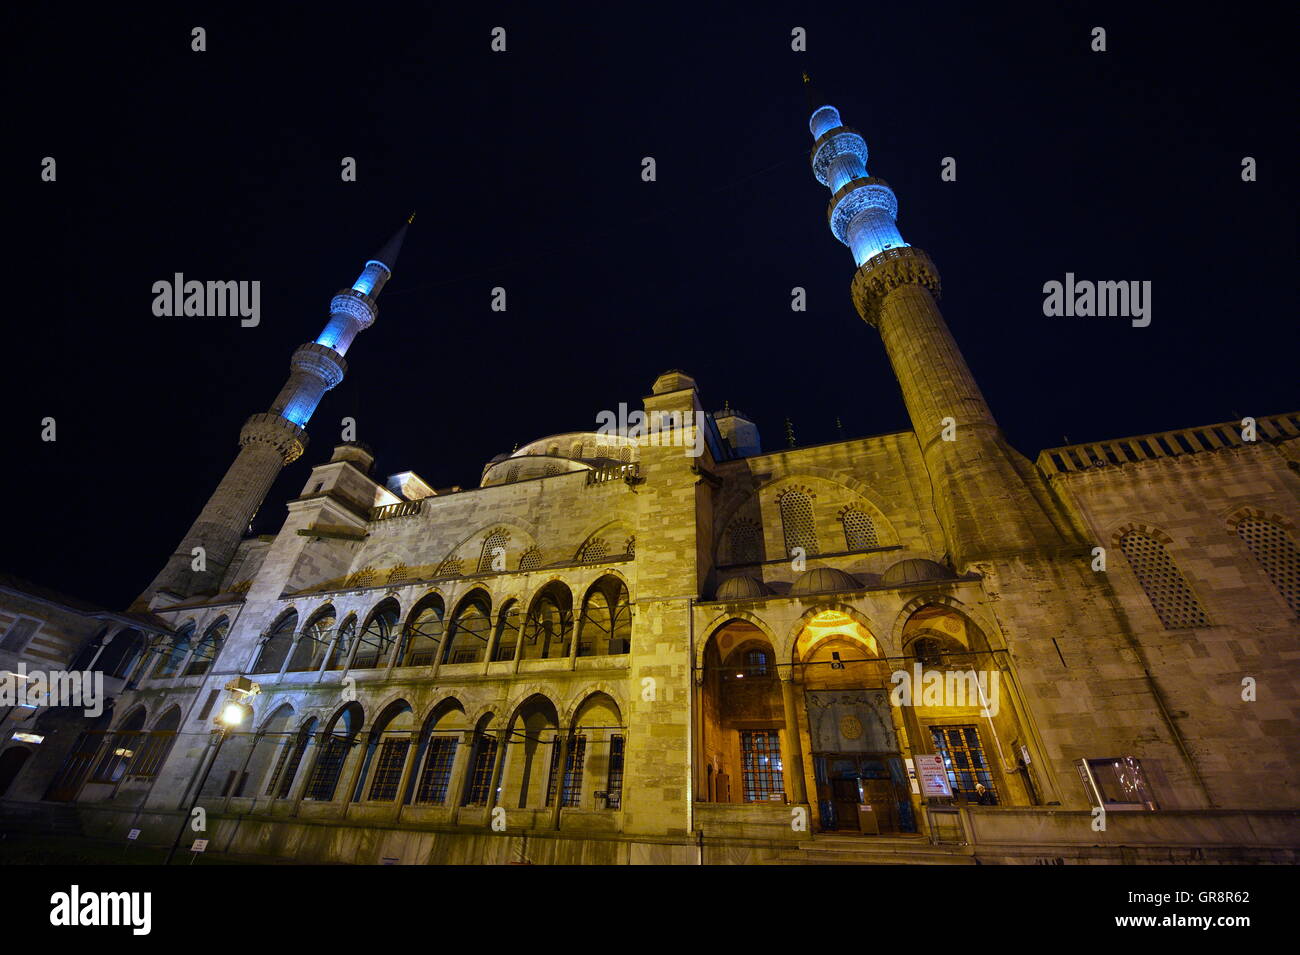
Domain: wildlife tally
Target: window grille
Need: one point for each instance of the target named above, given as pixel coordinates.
(756, 663)
(963, 758)
(594, 550)
(614, 785)
(531, 559)
(362, 578)
(436, 776)
(573, 763)
(388, 769)
(761, 768)
(797, 522)
(480, 782)
(399, 574)
(495, 540)
(325, 775)
(745, 538)
(1277, 554)
(859, 530)
(1164, 584)
(291, 767)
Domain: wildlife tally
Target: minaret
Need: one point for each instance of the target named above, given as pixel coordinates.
(987, 497)
(271, 440)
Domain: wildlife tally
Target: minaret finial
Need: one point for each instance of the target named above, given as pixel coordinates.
(789, 431)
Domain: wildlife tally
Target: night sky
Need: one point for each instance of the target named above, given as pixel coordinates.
(524, 169)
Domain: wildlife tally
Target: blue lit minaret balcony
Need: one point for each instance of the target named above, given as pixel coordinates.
(862, 208)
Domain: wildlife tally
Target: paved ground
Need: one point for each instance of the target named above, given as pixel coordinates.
(57, 850)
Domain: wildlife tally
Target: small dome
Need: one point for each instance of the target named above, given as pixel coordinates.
(824, 580)
(743, 587)
(914, 571)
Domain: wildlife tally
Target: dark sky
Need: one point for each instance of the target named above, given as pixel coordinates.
(524, 169)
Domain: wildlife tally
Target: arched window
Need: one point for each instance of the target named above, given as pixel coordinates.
(385, 759)
(121, 748)
(595, 550)
(122, 653)
(343, 644)
(531, 559)
(442, 735)
(859, 530)
(1277, 554)
(376, 638)
(745, 541)
(606, 622)
(551, 470)
(797, 522)
(508, 628)
(478, 781)
(174, 652)
(286, 765)
(313, 642)
(512, 474)
(757, 663)
(334, 749)
(451, 567)
(625, 455)
(156, 744)
(277, 645)
(470, 627)
(88, 650)
(205, 654)
(549, 623)
(493, 555)
(1164, 584)
(423, 634)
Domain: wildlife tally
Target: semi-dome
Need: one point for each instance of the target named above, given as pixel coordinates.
(743, 587)
(824, 580)
(915, 570)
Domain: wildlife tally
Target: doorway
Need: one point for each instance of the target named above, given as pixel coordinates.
(846, 781)
(11, 763)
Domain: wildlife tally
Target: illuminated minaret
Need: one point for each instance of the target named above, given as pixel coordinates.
(988, 498)
(271, 440)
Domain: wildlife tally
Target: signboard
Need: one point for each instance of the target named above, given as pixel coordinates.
(911, 777)
(133, 834)
(934, 779)
(200, 845)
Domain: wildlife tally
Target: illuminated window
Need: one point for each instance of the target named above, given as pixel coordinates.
(436, 777)
(1277, 554)
(1164, 584)
(745, 541)
(797, 522)
(121, 749)
(963, 758)
(761, 768)
(859, 530)
(756, 663)
(1116, 782)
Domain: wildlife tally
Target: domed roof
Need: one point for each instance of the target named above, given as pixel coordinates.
(914, 571)
(743, 587)
(823, 580)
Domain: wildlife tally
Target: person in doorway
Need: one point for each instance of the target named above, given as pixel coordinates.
(982, 796)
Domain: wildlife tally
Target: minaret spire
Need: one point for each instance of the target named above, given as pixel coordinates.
(273, 439)
(974, 471)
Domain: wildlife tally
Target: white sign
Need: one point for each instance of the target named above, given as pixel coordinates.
(133, 834)
(200, 845)
(934, 778)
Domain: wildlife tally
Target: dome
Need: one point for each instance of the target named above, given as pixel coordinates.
(914, 571)
(743, 587)
(824, 580)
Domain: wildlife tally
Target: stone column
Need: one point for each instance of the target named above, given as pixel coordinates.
(794, 759)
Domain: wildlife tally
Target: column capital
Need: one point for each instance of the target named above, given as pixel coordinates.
(888, 270)
(270, 429)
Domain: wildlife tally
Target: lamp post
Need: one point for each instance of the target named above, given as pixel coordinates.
(237, 708)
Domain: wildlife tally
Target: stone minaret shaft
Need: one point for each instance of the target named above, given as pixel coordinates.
(984, 489)
(271, 440)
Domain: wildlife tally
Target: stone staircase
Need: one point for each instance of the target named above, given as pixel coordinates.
(19, 819)
(872, 850)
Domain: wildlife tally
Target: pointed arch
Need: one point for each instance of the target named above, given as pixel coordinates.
(209, 648)
(605, 625)
(1168, 591)
(376, 637)
(422, 635)
(549, 624)
(278, 642)
(467, 637)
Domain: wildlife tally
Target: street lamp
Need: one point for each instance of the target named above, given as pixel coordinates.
(237, 708)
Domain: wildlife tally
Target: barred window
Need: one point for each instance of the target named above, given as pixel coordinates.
(362, 578)
(388, 769)
(400, 574)
(480, 781)
(325, 775)
(282, 779)
(928, 651)
(512, 474)
(797, 522)
(859, 530)
(552, 470)
(1277, 554)
(756, 663)
(625, 455)
(594, 550)
(155, 746)
(451, 567)
(573, 764)
(1165, 586)
(531, 559)
(963, 758)
(762, 771)
(495, 542)
(745, 541)
(436, 776)
(614, 786)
